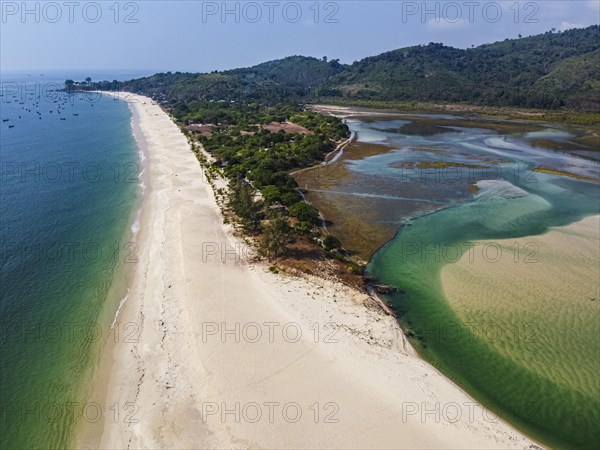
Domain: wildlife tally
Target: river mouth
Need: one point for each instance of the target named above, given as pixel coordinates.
(430, 187)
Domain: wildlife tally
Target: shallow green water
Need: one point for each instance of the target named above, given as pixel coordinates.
(520, 203)
(68, 192)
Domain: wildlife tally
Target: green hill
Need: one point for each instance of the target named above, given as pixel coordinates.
(293, 77)
(576, 79)
(550, 70)
(507, 73)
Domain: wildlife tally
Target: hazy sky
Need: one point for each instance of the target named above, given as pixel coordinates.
(204, 36)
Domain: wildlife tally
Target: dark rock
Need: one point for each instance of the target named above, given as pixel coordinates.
(384, 289)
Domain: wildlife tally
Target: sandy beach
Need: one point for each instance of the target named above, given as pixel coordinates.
(216, 352)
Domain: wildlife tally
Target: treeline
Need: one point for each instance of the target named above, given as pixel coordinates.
(550, 71)
(242, 116)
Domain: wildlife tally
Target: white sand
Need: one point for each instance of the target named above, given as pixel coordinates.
(360, 387)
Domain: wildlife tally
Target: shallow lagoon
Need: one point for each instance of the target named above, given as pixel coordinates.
(444, 190)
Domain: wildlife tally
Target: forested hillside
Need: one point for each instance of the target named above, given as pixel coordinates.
(286, 79)
(551, 70)
(508, 73)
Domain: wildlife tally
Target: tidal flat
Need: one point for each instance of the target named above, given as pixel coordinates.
(454, 218)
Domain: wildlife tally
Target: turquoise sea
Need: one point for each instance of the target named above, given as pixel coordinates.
(69, 195)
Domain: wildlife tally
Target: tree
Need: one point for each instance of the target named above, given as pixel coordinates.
(305, 213)
(271, 194)
(331, 243)
(69, 85)
(277, 235)
(335, 64)
(303, 227)
(241, 201)
(88, 80)
(289, 198)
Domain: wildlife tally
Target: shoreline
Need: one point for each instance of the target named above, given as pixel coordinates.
(120, 289)
(144, 186)
(185, 360)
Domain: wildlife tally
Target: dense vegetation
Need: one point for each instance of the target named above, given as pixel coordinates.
(265, 158)
(261, 193)
(513, 72)
(291, 78)
(551, 70)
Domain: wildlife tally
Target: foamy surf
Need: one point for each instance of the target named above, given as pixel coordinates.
(136, 225)
(121, 303)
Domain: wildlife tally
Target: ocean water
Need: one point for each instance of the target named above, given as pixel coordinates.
(554, 402)
(70, 189)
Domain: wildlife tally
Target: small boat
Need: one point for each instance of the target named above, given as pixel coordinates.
(75, 114)
(11, 126)
(5, 120)
(63, 118)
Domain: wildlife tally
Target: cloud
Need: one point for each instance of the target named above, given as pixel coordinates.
(568, 25)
